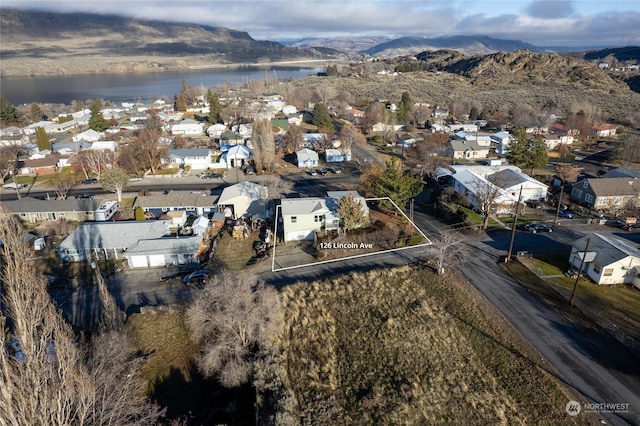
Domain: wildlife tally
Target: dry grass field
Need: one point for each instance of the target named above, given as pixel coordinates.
(401, 346)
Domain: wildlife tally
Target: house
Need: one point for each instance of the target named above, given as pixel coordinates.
(479, 190)
(502, 139)
(196, 159)
(336, 155)
(216, 130)
(309, 139)
(382, 127)
(607, 260)
(622, 172)
(337, 195)
(192, 203)
(31, 128)
(43, 166)
(177, 218)
(462, 149)
(187, 127)
(302, 217)
(236, 156)
(289, 109)
(244, 199)
(34, 210)
(606, 193)
(603, 131)
(512, 181)
(231, 138)
(88, 135)
(307, 158)
(143, 244)
(552, 142)
(64, 127)
(465, 127)
(441, 113)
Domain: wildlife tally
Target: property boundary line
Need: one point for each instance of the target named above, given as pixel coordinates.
(356, 256)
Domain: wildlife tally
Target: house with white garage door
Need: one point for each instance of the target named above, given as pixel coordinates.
(302, 217)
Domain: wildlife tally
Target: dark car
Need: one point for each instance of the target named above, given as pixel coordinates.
(627, 226)
(568, 214)
(324, 172)
(212, 176)
(88, 196)
(199, 276)
(249, 170)
(537, 227)
(90, 181)
(534, 204)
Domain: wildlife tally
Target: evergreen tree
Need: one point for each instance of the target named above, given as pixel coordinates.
(474, 113)
(518, 148)
(8, 113)
(404, 109)
(537, 155)
(35, 112)
(97, 121)
(322, 119)
(215, 109)
(396, 185)
(42, 139)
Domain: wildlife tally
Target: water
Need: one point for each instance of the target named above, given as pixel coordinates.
(119, 88)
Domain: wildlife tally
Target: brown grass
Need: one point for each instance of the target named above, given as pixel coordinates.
(405, 346)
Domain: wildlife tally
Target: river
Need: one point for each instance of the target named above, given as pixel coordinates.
(118, 88)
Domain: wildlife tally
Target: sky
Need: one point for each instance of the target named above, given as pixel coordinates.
(544, 23)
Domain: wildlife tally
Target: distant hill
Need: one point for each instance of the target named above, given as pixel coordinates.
(628, 53)
(471, 45)
(32, 38)
(345, 44)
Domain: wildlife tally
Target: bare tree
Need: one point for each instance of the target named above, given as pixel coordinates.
(277, 187)
(143, 153)
(325, 93)
(9, 162)
(447, 249)
(256, 87)
(421, 114)
(115, 180)
(486, 195)
(350, 135)
(97, 160)
(264, 146)
(568, 173)
(63, 185)
(230, 318)
(293, 139)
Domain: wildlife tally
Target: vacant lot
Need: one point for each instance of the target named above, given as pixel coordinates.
(402, 346)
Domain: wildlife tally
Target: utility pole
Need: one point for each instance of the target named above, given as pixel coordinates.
(555, 222)
(575, 285)
(513, 228)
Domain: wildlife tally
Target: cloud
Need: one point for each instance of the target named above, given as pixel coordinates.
(550, 9)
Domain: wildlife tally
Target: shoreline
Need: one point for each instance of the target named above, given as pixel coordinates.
(291, 64)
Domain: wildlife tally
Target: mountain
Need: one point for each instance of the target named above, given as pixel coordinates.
(35, 42)
(471, 45)
(348, 44)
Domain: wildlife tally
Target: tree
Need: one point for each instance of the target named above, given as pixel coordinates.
(486, 194)
(9, 115)
(396, 185)
(143, 153)
(350, 135)
(568, 173)
(42, 139)
(35, 112)
(264, 145)
(293, 139)
(115, 180)
(277, 187)
(97, 121)
(447, 249)
(322, 119)
(96, 161)
(518, 147)
(63, 185)
(538, 156)
(527, 153)
(215, 108)
(48, 376)
(352, 212)
(230, 318)
(405, 107)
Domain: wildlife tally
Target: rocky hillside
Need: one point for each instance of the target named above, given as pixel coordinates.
(49, 43)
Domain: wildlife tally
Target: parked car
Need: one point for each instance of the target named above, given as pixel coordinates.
(568, 214)
(89, 196)
(324, 172)
(534, 204)
(213, 176)
(537, 227)
(337, 170)
(90, 181)
(313, 172)
(249, 170)
(627, 226)
(199, 276)
(135, 179)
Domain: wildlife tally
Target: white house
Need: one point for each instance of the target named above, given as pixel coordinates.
(289, 109)
(511, 181)
(244, 198)
(216, 130)
(187, 127)
(88, 135)
(607, 260)
(336, 155)
(236, 156)
(302, 217)
(197, 159)
(307, 158)
(31, 128)
(462, 149)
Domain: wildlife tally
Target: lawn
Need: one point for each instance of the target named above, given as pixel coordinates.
(404, 346)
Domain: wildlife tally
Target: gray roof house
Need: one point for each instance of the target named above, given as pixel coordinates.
(464, 149)
(607, 260)
(606, 193)
(244, 198)
(192, 202)
(33, 210)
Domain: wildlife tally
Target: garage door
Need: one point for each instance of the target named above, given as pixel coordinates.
(138, 262)
(156, 260)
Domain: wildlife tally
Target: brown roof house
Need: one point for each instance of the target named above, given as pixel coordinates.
(606, 193)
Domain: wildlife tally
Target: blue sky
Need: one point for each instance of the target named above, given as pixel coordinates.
(539, 22)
